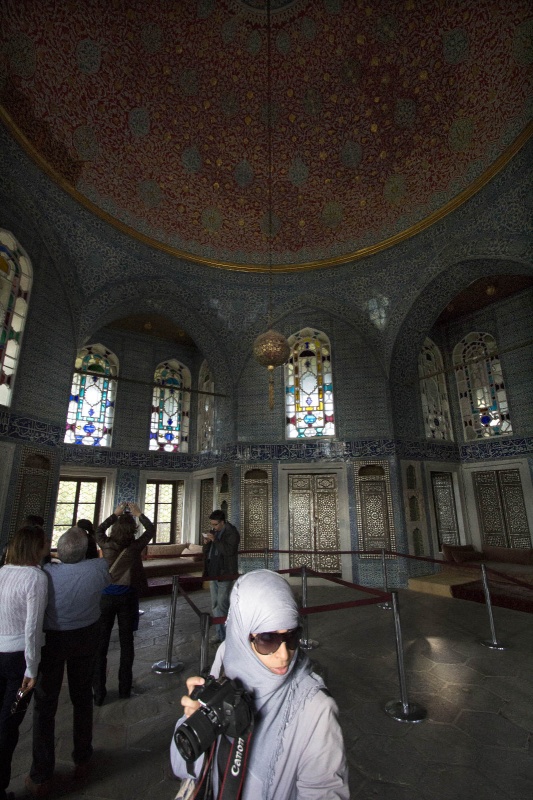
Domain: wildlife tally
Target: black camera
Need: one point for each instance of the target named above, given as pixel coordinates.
(225, 708)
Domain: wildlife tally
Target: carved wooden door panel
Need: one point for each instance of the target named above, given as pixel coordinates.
(255, 513)
(445, 510)
(313, 521)
(501, 508)
(206, 505)
(375, 515)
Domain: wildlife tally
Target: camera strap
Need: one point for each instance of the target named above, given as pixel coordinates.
(231, 759)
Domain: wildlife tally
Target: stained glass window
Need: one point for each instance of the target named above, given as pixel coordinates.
(482, 396)
(92, 397)
(433, 392)
(206, 409)
(309, 386)
(169, 430)
(15, 284)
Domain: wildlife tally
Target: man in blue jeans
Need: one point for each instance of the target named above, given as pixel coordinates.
(71, 624)
(220, 564)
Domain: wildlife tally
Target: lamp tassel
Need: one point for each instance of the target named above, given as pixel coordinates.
(271, 388)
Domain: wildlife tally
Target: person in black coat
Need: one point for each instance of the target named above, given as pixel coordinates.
(221, 545)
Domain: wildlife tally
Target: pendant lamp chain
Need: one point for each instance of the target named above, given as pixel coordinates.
(271, 349)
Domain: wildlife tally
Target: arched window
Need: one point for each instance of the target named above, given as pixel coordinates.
(482, 396)
(169, 430)
(92, 397)
(15, 285)
(206, 410)
(309, 386)
(434, 394)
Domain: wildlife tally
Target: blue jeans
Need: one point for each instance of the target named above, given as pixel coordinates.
(220, 592)
(12, 668)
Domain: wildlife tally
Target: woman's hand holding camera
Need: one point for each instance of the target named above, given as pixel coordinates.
(133, 507)
(190, 706)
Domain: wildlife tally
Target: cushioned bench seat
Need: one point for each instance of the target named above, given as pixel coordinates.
(162, 560)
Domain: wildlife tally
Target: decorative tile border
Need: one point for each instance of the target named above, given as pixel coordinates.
(496, 448)
(28, 429)
(41, 432)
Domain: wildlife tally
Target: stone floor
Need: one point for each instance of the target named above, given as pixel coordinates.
(476, 742)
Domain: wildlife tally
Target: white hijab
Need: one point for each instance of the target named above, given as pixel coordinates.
(262, 601)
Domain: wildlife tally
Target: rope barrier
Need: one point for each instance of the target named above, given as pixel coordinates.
(402, 710)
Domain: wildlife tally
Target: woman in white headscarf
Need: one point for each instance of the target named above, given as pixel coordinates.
(296, 750)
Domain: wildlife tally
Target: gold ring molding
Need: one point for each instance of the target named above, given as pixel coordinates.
(327, 263)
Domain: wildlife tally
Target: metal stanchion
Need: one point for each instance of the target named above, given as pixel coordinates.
(386, 605)
(204, 643)
(305, 642)
(493, 643)
(402, 710)
(169, 666)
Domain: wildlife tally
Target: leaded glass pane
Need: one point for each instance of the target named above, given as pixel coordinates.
(206, 410)
(91, 405)
(480, 386)
(150, 493)
(76, 499)
(165, 509)
(15, 284)
(163, 532)
(169, 429)
(434, 394)
(309, 387)
(67, 492)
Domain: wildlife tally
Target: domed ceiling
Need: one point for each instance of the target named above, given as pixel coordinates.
(383, 116)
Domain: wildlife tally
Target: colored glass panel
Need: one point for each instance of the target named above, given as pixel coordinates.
(91, 406)
(309, 387)
(481, 388)
(169, 429)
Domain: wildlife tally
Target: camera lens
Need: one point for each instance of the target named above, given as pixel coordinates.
(196, 735)
(186, 748)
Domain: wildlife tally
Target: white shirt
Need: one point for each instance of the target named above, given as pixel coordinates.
(23, 598)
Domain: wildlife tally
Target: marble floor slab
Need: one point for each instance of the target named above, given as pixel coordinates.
(475, 743)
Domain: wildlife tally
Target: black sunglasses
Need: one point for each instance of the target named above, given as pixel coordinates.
(268, 643)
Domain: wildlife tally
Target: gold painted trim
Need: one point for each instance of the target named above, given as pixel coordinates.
(364, 252)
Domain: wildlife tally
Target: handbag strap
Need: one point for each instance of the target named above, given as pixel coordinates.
(113, 568)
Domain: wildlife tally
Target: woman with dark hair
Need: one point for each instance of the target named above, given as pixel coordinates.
(23, 598)
(121, 598)
(87, 526)
(296, 750)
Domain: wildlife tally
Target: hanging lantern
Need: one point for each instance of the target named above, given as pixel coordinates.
(271, 350)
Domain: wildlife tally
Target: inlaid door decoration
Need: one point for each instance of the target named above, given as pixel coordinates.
(314, 521)
(206, 505)
(374, 507)
(445, 510)
(256, 510)
(501, 508)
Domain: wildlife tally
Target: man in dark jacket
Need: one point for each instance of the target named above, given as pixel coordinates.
(220, 564)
